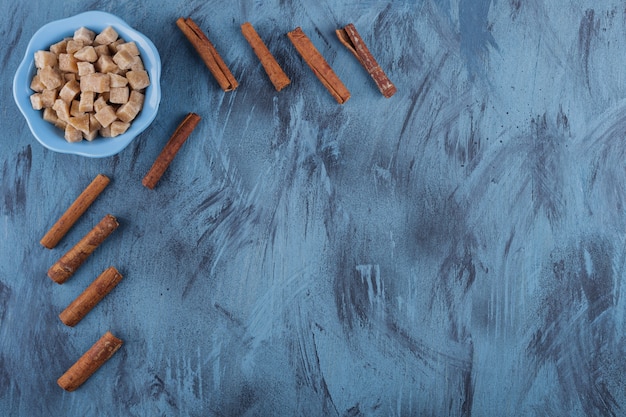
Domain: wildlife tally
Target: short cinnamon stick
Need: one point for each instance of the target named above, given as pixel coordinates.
(319, 65)
(65, 267)
(352, 40)
(272, 68)
(74, 211)
(92, 295)
(170, 150)
(90, 362)
(208, 53)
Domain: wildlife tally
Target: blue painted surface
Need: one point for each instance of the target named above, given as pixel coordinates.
(455, 250)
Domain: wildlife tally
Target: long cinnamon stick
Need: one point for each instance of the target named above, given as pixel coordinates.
(92, 295)
(272, 68)
(319, 65)
(65, 267)
(170, 150)
(74, 211)
(208, 53)
(352, 40)
(90, 362)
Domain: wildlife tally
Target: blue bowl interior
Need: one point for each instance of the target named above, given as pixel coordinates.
(52, 137)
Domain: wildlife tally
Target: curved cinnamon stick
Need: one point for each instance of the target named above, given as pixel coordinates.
(73, 213)
(170, 150)
(319, 65)
(92, 295)
(208, 53)
(65, 267)
(90, 362)
(272, 68)
(351, 39)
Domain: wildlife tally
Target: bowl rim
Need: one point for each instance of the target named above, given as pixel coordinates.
(52, 137)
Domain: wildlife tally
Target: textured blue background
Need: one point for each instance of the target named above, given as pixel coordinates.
(456, 250)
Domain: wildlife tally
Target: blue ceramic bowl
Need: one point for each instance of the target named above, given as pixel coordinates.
(52, 137)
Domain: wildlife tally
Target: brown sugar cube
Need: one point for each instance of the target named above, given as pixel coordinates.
(45, 59)
(73, 46)
(59, 47)
(36, 102)
(36, 84)
(137, 64)
(48, 97)
(60, 124)
(75, 108)
(118, 80)
(86, 53)
(106, 64)
(80, 123)
(118, 127)
(72, 134)
(70, 76)
(102, 50)
(94, 124)
(128, 111)
(105, 132)
(106, 116)
(85, 68)
(69, 91)
(100, 103)
(113, 45)
(91, 135)
(107, 36)
(50, 78)
(97, 82)
(86, 101)
(118, 95)
(62, 108)
(136, 98)
(68, 63)
(130, 47)
(50, 115)
(123, 59)
(138, 80)
(85, 35)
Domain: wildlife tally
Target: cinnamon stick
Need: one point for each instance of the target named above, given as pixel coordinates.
(170, 150)
(92, 295)
(351, 39)
(208, 53)
(65, 267)
(90, 362)
(272, 68)
(75, 210)
(319, 65)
